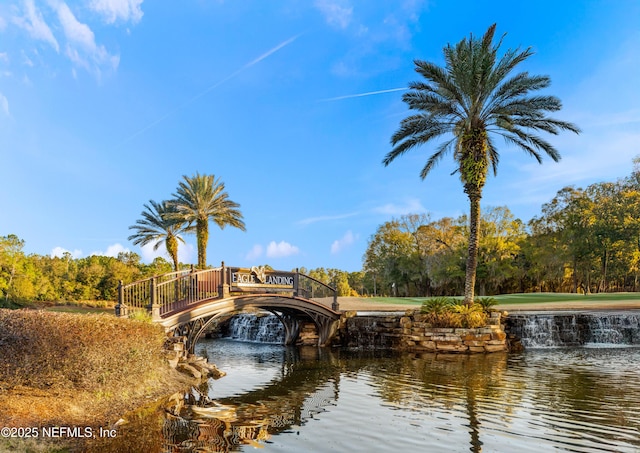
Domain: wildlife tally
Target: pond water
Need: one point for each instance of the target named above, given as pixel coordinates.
(320, 400)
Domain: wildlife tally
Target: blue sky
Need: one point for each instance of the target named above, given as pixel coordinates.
(105, 104)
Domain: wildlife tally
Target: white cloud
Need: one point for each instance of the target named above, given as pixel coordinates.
(336, 13)
(412, 206)
(82, 49)
(4, 104)
(60, 251)
(254, 253)
(344, 242)
(75, 30)
(34, 24)
(186, 253)
(112, 250)
(148, 254)
(114, 10)
(281, 249)
(4, 56)
(3, 23)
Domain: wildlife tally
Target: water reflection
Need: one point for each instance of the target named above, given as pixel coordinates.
(310, 399)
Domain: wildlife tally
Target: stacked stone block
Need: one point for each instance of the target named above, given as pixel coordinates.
(412, 332)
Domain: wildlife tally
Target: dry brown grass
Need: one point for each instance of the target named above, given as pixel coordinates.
(46, 350)
(78, 370)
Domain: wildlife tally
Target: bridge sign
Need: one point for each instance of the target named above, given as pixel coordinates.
(245, 279)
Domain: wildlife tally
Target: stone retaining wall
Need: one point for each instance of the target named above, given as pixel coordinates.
(411, 332)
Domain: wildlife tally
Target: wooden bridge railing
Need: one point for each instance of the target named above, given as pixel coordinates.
(169, 292)
(176, 291)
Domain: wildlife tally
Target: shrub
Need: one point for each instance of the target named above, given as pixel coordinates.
(50, 350)
(486, 303)
(450, 312)
(140, 315)
(437, 305)
(439, 312)
(470, 316)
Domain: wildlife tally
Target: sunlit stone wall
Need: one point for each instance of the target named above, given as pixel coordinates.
(411, 332)
(418, 335)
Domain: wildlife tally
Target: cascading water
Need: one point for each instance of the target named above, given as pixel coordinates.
(546, 330)
(259, 329)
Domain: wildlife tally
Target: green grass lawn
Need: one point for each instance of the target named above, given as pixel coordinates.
(526, 298)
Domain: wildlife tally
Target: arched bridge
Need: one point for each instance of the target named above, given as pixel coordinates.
(188, 302)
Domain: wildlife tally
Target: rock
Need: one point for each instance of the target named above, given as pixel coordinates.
(188, 369)
(174, 403)
(451, 347)
(495, 347)
(428, 345)
(217, 374)
(498, 335)
(213, 370)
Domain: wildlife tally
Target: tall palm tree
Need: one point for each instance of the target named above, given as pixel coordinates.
(157, 226)
(472, 98)
(201, 198)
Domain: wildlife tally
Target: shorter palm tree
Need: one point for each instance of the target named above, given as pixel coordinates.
(201, 198)
(158, 226)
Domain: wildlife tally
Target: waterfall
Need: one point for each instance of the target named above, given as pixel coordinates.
(259, 329)
(545, 330)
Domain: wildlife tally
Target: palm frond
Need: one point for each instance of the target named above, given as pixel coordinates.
(415, 130)
(494, 156)
(476, 92)
(158, 226)
(442, 150)
(522, 144)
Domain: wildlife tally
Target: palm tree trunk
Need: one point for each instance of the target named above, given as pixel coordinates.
(474, 241)
(171, 244)
(473, 174)
(202, 233)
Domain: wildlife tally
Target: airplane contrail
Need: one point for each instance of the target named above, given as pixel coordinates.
(274, 50)
(212, 87)
(370, 93)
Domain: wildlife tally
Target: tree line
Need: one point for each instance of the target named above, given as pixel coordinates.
(583, 241)
(37, 278)
(27, 278)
